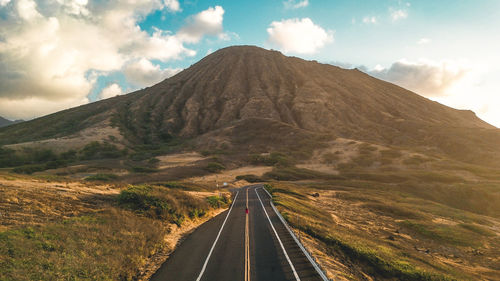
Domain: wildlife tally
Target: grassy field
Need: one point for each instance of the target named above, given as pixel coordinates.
(367, 212)
(64, 230)
(390, 215)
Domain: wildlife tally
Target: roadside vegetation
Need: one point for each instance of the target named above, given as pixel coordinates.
(410, 224)
(82, 235)
(31, 160)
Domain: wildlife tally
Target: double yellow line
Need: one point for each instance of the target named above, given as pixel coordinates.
(247, 245)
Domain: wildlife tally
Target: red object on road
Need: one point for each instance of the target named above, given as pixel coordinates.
(246, 210)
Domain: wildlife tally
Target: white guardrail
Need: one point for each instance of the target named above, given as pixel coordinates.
(304, 250)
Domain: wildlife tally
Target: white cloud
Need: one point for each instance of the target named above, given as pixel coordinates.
(27, 10)
(48, 48)
(370, 20)
(298, 35)
(110, 91)
(457, 83)
(25, 109)
(295, 4)
(398, 14)
(143, 73)
(228, 36)
(172, 5)
(426, 77)
(424, 41)
(208, 22)
(75, 7)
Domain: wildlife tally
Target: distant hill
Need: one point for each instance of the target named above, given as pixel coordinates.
(246, 98)
(5, 122)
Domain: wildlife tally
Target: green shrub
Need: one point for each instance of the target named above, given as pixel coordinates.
(141, 169)
(273, 159)
(69, 156)
(153, 161)
(197, 213)
(269, 188)
(97, 150)
(28, 157)
(29, 169)
(139, 198)
(172, 185)
(249, 178)
(217, 201)
(171, 205)
(101, 177)
(140, 155)
(178, 219)
(214, 167)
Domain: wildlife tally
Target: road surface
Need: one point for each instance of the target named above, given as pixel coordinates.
(239, 246)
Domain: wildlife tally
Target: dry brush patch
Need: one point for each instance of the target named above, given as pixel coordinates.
(359, 231)
(53, 230)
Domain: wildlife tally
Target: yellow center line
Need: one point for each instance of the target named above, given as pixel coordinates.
(247, 245)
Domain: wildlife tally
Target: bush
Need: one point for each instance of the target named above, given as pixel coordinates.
(69, 156)
(29, 169)
(44, 155)
(197, 213)
(269, 188)
(9, 158)
(139, 198)
(101, 177)
(171, 205)
(273, 159)
(214, 167)
(218, 201)
(141, 169)
(172, 185)
(249, 178)
(140, 156)
(97, 150)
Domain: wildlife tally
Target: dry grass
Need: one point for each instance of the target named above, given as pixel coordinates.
(424, 226)
(103, 246)
(64, 230)
(181, 159)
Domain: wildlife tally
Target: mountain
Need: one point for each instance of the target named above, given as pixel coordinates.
(5, 122)
(246, 97)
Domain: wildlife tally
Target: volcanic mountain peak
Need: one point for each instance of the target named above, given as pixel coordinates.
(243, 82)
(224, 93)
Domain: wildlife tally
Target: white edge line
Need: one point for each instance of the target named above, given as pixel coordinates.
(217, 238)
(311, 260)
(279, 240)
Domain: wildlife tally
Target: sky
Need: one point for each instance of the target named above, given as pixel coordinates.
(56, 54)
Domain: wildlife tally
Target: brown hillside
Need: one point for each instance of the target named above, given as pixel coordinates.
(230, 91)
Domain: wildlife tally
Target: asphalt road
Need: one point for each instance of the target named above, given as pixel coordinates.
(236, 246)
